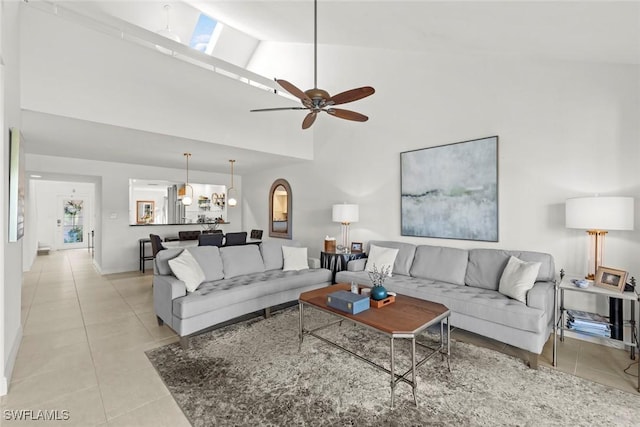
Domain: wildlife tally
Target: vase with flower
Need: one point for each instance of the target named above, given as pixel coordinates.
(377, 277)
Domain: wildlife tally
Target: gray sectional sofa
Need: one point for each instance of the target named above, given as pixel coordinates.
(238, 280)
(467, 281)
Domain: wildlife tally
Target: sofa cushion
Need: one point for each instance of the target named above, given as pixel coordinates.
(406, 251)
(186, 268)
(294, 258)
(239, 260)
(223, 293)
(272, 252)
(440, 263)
(485, 266)
(381, 259)
(518, 278)
(210, 262)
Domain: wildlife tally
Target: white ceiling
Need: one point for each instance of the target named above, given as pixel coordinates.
(603, 31)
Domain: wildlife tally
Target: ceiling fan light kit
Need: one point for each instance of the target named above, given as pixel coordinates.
(316, 100)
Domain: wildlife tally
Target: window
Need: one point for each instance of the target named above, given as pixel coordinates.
(203, 34)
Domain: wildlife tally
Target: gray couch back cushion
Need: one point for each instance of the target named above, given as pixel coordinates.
(272, 252)
(239, 260)
(404, 259)
(486, 266)
(208, 257)
(163, 257)
(440, 263)
(210, 261)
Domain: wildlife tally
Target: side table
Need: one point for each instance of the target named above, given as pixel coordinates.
(337, 261)
(560, 325)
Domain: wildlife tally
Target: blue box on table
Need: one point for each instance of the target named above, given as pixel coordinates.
(348, 302)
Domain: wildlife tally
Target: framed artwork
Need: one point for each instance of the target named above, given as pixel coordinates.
(145, 211)
(16, 185)
(610, 278)
(451, 191)
(356, 247)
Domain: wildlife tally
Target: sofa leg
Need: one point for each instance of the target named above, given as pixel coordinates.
(267, 312)
(533, 360)
(160, 321)
(184, 342)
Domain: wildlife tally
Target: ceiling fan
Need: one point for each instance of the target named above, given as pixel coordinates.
(316, 100)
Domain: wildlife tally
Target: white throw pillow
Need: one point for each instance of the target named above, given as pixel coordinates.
(186, 268)
(294, 258)
(518, 278)
(381, 257)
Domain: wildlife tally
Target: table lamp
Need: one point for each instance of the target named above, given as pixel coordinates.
(598, 215)
(345, 214)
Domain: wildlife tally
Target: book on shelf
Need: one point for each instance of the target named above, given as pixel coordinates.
(606, 333)
(585, 316)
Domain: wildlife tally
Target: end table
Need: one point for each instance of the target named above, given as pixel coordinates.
(337, 261)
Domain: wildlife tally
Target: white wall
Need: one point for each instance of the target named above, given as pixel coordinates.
(10, 253)
(116, 241)
(561, 127)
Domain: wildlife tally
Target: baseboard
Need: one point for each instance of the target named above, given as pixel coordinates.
(11, 361)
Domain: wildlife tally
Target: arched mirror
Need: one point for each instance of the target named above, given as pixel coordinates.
(280, 215)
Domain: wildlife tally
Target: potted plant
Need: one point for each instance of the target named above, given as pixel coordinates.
(377, 277)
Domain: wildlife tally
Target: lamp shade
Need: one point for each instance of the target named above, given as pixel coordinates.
(345, 213)
(599, 213)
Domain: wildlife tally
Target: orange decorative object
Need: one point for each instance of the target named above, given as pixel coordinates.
(381, 303)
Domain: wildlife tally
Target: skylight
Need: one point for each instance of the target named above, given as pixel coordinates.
(203, 38)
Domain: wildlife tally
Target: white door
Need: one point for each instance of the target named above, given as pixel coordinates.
(72, 222)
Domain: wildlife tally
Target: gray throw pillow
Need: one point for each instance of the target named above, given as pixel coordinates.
(210, 262)
(440, 264)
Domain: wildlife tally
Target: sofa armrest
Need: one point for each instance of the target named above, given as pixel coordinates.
(165, 290)
(313, 262)
(356, 264)
(541, 296)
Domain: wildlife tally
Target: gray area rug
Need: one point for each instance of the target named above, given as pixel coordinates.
(252, 374)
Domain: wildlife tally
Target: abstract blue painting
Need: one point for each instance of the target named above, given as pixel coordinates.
(451, 191)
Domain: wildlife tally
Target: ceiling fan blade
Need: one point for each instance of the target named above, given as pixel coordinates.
(352, 95)
(347, 114)
(277, 109)
(309, 119)
(293, 90)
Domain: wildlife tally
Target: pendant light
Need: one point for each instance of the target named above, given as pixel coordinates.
(186, 199)
(231, 200)
(167, 30)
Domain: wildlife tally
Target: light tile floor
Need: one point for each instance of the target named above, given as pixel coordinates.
(85, 337)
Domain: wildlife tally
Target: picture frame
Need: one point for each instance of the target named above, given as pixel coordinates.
(356, 247)
(451, 191)
(145, 211)
(611, 279)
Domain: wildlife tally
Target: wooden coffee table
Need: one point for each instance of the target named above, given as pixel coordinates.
(404, 319)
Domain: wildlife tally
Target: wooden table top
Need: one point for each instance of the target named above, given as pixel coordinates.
(406, 315)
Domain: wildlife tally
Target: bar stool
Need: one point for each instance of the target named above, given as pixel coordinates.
(143, 253)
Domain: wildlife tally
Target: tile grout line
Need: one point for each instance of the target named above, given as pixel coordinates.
(86, 334)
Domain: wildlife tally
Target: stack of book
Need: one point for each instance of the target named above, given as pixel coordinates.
(591, 323)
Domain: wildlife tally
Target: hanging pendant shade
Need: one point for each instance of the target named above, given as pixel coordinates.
(186, 199)
(231, 200)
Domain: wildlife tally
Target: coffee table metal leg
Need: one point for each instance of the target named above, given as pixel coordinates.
(448, 343)
(393, 371)
(301, 325)
(414, 385)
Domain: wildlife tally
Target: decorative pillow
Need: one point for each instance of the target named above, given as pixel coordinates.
(294, 258)
(518, 278)
(186, 268)
(381, 258)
